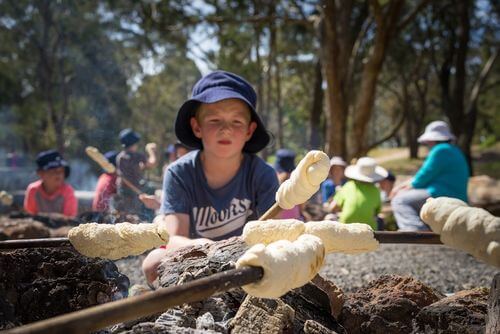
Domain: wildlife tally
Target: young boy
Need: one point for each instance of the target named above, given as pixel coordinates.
(210, 193)
(359, 199)
(51, 194)
(106, 186)
(130, 165)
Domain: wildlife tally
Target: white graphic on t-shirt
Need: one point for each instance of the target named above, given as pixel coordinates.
(211, 223)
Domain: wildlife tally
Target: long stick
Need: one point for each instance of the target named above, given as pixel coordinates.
(384, 237)
(272, 212)
(97, 317)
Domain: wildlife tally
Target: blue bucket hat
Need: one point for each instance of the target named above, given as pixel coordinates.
(285, 161)
(111, 156)
(51, 159)
(129, 137)
(215, 87)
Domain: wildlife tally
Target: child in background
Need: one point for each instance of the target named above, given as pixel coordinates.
(211, 192)
(336, 179)
(106, 186)
(284, 165)
(359, 199)
(51, 194)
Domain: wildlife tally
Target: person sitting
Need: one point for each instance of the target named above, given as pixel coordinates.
(359, 199)
(130, 166)
(51, 194)
(284, 165)
(106, 187)
(335, 180)
(445, 172)
(211, 192)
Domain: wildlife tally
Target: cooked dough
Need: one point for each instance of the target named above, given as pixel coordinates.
(97, 156)
(268, 231)
(151, 148)
(304, 180)
(436, 214)
(287, 265)
(473, 230)
(337, 237)
(116, 241)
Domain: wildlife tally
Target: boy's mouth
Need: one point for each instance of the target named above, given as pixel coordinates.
(224, 142)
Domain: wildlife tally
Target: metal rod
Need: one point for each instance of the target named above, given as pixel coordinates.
(34, 243)
(97, 317)
(384, 237)
(428, 238)
(271, 213)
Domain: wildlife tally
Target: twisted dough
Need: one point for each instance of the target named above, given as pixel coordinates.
(304, 180)
(287, 265)
(97, 156)
(473, 230)
(269, 231)
(116, 241)
(354, 238)
(6, 198)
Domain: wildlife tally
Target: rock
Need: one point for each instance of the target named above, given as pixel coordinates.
(41, 283)
(463, 312)
(484, 192)
(259, 315)
(493, 318)
(312, 327)
(386, 305)
(335, 294)
(22, 229)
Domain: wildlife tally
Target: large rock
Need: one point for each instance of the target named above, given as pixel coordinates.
(386, 305)
(463, 312)
(40, 283)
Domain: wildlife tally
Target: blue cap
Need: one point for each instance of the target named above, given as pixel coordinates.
(215, 87)
(129, 137)
(111, 156)
(285, 161)
(51, 159)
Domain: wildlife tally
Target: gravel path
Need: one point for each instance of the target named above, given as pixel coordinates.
(440, 267)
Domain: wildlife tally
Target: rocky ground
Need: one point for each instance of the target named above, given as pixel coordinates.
(442, 268)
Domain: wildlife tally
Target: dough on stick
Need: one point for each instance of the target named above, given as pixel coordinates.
(116, 241)
(287, 265)
(337, 237)
(473, 230)
(268, 231)
(304, 180)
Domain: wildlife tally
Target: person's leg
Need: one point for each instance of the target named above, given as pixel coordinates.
(406, 207)
(151, 263)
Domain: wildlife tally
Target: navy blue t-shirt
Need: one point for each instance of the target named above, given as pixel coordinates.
(218, 213)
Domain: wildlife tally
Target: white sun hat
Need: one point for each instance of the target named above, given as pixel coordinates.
(436, 131)
(366, 170)
(337, 161)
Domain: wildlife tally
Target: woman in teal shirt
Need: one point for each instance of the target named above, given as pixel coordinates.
(444, 173)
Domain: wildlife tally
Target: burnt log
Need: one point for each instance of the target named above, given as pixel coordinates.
(493, 318)
(41, 283)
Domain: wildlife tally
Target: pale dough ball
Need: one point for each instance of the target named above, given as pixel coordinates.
(287, 265)
(268, 231)
(304, 180)
(337, 237)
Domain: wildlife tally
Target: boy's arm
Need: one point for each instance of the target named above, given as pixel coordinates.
(30, 202)
(70, 207)
(177, 226)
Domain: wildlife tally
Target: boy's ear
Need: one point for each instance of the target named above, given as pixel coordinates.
(195, 127)
(251, 129)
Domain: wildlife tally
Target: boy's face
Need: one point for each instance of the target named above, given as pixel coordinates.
(52, 178)
(224, 127)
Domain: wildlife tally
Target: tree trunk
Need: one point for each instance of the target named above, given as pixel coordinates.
(316, 108)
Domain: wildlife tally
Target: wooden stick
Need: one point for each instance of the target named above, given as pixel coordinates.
(272, 212)
(384, 237)
(97, 317)
(131, 186)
